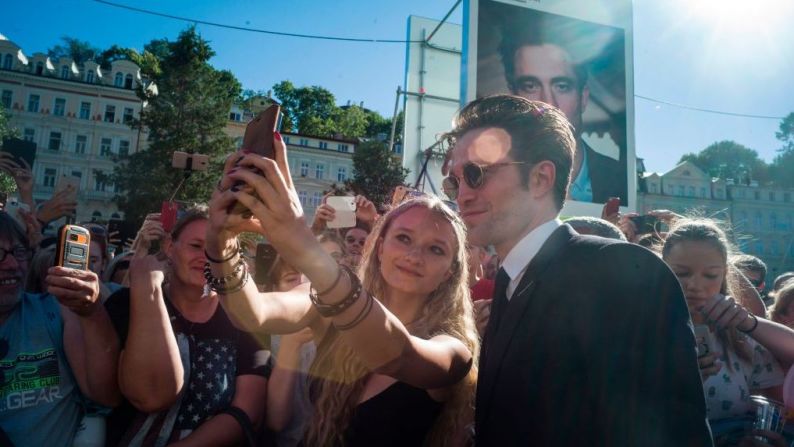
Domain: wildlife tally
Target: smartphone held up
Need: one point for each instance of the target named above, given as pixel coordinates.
(73, 247)
(258, 139)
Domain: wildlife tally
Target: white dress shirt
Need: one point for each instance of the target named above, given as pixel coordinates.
(519, 257)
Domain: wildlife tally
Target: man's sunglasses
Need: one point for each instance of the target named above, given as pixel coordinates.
(473, 175)
(19, 252)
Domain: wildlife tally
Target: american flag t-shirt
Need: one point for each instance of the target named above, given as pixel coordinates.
(213, 370)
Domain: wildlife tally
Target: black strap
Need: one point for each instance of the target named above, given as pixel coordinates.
(245, 423)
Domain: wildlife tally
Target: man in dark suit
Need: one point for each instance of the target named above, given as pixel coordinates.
(540, 69)
(589, 340)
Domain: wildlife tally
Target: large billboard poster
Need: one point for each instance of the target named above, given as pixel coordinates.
(575, 55)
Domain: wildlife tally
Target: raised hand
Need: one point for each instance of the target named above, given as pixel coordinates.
(61, 204)
(365, 210)
(77, 290)
(151, 230)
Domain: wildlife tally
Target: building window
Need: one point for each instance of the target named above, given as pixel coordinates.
(319, 171)
(60, 107)
(85, 110)
(128, 81)
(39, 68)
(681, 190)
(105, 146)
(342, 148)
(29, 134)
(8, 61)
(65, 71)
(80, 143)
(235, 116)
(33, 103)
(654, 188)
(119, 80)
(286, 140)
(77, 174)
(55, 141)
(317, 198)
(757, 195)
(127, 116)
(89, 76)
(110, 114)
(773, 221)
(771, 196)
(304, 168)
(691, 191)
(322, 145)
(303, 198)
(341, 174)
(99, 185)
(124, 148)
(758, 220)
(702, 191)
(49, 177)
(7, 98)
(304, 142)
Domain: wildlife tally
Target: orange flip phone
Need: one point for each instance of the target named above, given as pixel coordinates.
(73, 245)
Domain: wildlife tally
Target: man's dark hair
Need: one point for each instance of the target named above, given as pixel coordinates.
(11, 231)
(538, 132)
(749, 263)
(515, 37)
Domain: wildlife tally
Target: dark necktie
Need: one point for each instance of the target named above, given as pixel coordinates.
(499, 302)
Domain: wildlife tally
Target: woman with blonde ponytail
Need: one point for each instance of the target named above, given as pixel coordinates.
(397, 344)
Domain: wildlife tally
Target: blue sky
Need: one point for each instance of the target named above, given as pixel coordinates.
(727, 55)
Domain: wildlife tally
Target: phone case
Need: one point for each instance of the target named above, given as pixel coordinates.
(344, 211)
(258, 138)
(168, 215)
(73, 247)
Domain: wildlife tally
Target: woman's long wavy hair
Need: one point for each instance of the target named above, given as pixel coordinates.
(338, 376)
(707, 231)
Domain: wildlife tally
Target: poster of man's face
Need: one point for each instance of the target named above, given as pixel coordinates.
(574, 65)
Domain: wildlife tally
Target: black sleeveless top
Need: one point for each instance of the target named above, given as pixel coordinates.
(400, 415)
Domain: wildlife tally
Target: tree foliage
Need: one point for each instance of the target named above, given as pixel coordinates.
(188, 114)
(376, 172)
(80, 51)
(313, 111)
(782, 167)
(728, 159)
(7, 183)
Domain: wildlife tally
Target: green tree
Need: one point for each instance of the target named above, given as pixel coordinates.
(350, 121)
(376, 172)
(80, 51)
(188, 114)
(7, 183)
(729, 159)
(782, 166)
(307, 110)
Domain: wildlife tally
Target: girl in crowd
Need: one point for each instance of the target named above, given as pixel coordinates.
(783, 310)
(742, 347)
(396, 348)
(184, 366)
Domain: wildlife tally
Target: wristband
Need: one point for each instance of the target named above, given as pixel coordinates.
(221, 261)
(755, 324)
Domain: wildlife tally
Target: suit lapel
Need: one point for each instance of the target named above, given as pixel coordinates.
(499, 336)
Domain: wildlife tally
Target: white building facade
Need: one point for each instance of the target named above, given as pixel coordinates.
(761, 218)
(77, 115)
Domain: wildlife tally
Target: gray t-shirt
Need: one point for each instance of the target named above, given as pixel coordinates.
(39, 399)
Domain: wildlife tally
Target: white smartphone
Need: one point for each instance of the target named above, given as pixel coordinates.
(68, 183)
(344, 211)
(12, 206)
(703, 339)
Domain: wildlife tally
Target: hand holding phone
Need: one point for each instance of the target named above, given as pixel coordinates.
(611, 209)
(646, 223)
(258, 139)
(265, 258)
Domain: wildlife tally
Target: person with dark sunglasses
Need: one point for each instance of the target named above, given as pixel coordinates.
(583, 331)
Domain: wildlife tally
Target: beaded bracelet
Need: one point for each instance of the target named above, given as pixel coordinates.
(221, 261)
(222, 285)
(360, 317)
(332, 310)
(214, 282)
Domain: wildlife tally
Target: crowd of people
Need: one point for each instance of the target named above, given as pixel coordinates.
(482, 320)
